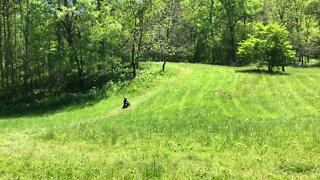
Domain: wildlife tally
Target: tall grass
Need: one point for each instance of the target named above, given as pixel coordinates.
(195, 121)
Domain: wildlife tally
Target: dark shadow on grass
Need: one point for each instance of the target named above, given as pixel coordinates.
(49, 105)
(307, 66)
(262, 72)
(58, 103)
(315, 65)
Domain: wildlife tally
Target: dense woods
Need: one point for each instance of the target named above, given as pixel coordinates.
(49, 47)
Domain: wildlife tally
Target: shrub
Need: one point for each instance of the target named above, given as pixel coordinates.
(268, 46)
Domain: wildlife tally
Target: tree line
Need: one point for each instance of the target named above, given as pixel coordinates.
(49, 47)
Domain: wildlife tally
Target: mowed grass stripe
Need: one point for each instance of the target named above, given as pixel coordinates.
(312, 92)
(299, 92)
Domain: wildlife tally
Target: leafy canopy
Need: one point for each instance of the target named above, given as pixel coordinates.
(269, 46)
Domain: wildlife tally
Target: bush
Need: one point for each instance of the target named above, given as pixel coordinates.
(268, 46)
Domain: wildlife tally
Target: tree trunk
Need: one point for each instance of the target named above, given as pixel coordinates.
(211, 29)
(98, 5)
(4, 61)
(79, 70)
(10, 50)
(70, 37)
(164, 63)
(26, 78)
(233, 44)
(79, 62)
(299, 57)
(1, 51)
(134, 73)
(133, 50)
(8, 47)
(270, 68)
(139, 46)
(59, 43)
(15, 59)
(231, 26)
(244, 35)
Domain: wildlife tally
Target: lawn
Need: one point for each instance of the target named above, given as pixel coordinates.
(193, 121)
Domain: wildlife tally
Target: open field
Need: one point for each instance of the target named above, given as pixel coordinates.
(196, 121)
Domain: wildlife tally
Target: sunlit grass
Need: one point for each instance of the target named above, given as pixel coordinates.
(195, 121)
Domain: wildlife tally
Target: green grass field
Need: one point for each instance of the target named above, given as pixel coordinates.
(194, 121)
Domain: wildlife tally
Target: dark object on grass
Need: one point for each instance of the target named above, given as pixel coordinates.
(126, 103)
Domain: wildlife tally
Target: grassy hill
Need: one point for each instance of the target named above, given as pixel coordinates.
(196, 121)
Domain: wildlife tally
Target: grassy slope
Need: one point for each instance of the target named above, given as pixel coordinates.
(200, 121)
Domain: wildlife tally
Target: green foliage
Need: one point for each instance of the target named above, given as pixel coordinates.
(314, 8)
(269, 46)
(59, 47)
(50, 47)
